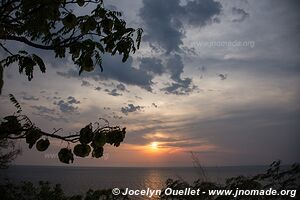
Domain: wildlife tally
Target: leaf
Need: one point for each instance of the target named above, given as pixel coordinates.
(42, 144)
(32, 136)
(80, 2)
(115, 137)
(88, 64)
(1, 78)
(86, 135)
(139, 37)
(65, 155)
(39, 62)
(99, 140)
(12, 125)
(100, 47)
(70, 21)
(15, 102)
(75, 50)
(84, 28)
(97, 152)
(125, 57)
(82, 150)
(91, 23)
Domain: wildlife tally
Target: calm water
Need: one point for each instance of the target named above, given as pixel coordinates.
(77, 180)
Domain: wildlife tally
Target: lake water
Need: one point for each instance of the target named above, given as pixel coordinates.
(77, 180)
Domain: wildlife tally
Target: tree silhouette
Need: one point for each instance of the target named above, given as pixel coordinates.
(53, 25)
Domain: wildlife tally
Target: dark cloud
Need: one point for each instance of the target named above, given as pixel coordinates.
(98, 88)
(164, 20)
(179, 86)
(223, 76)
(113, 92)
(175, 67)
(152, 65)
(130, 109)
(30, 98)
(56, 98)
(184, 87)
(121, 87)
(86, 83)
(48, 113)
(72, 100)
(67, 106)
(43, 109)
(161, 24)
(202, 12)
(154, 105)
(51, 118)
(240, 13)
(115, 69)
(116, 116)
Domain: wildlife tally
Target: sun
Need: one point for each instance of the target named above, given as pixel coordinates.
(154, 145)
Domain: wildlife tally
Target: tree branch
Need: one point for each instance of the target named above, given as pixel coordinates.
(26, 41)
(5, 49)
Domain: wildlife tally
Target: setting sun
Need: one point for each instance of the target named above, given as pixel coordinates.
(154, 145)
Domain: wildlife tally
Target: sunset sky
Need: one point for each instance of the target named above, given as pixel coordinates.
(185, 90)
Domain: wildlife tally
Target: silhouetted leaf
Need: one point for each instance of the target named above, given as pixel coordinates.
(42, 144)
(1, 78)
(39, 62)
(97, 152)
(70, 20)
(65, 155)
(82, 150)
(32, 136)
(86, 135)
(99, 140)
(80, 2)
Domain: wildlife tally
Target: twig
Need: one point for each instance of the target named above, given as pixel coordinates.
(5, 49)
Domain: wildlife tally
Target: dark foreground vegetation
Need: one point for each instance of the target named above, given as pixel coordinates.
(277, 177)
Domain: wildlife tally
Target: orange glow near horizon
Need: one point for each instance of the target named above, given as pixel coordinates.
(154, 146)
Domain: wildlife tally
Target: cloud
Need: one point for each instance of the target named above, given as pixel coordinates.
(115, 116)
(184, 87)
(72, 100)
(48, 113)
(115, 69)
(51, 118)
(66, 106)
(164, 20)
(167, 140)
(30, 98)
(175, 67)
(161, 25)
(121, 87)
(113, 92)
(154, 105)
(98, 88)
(179, 86)
(223, 76)
(152, 65)
(130, 109)
(201, 12)
(240, 13)
(86, 83)
(43, 109)
(165, 24)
